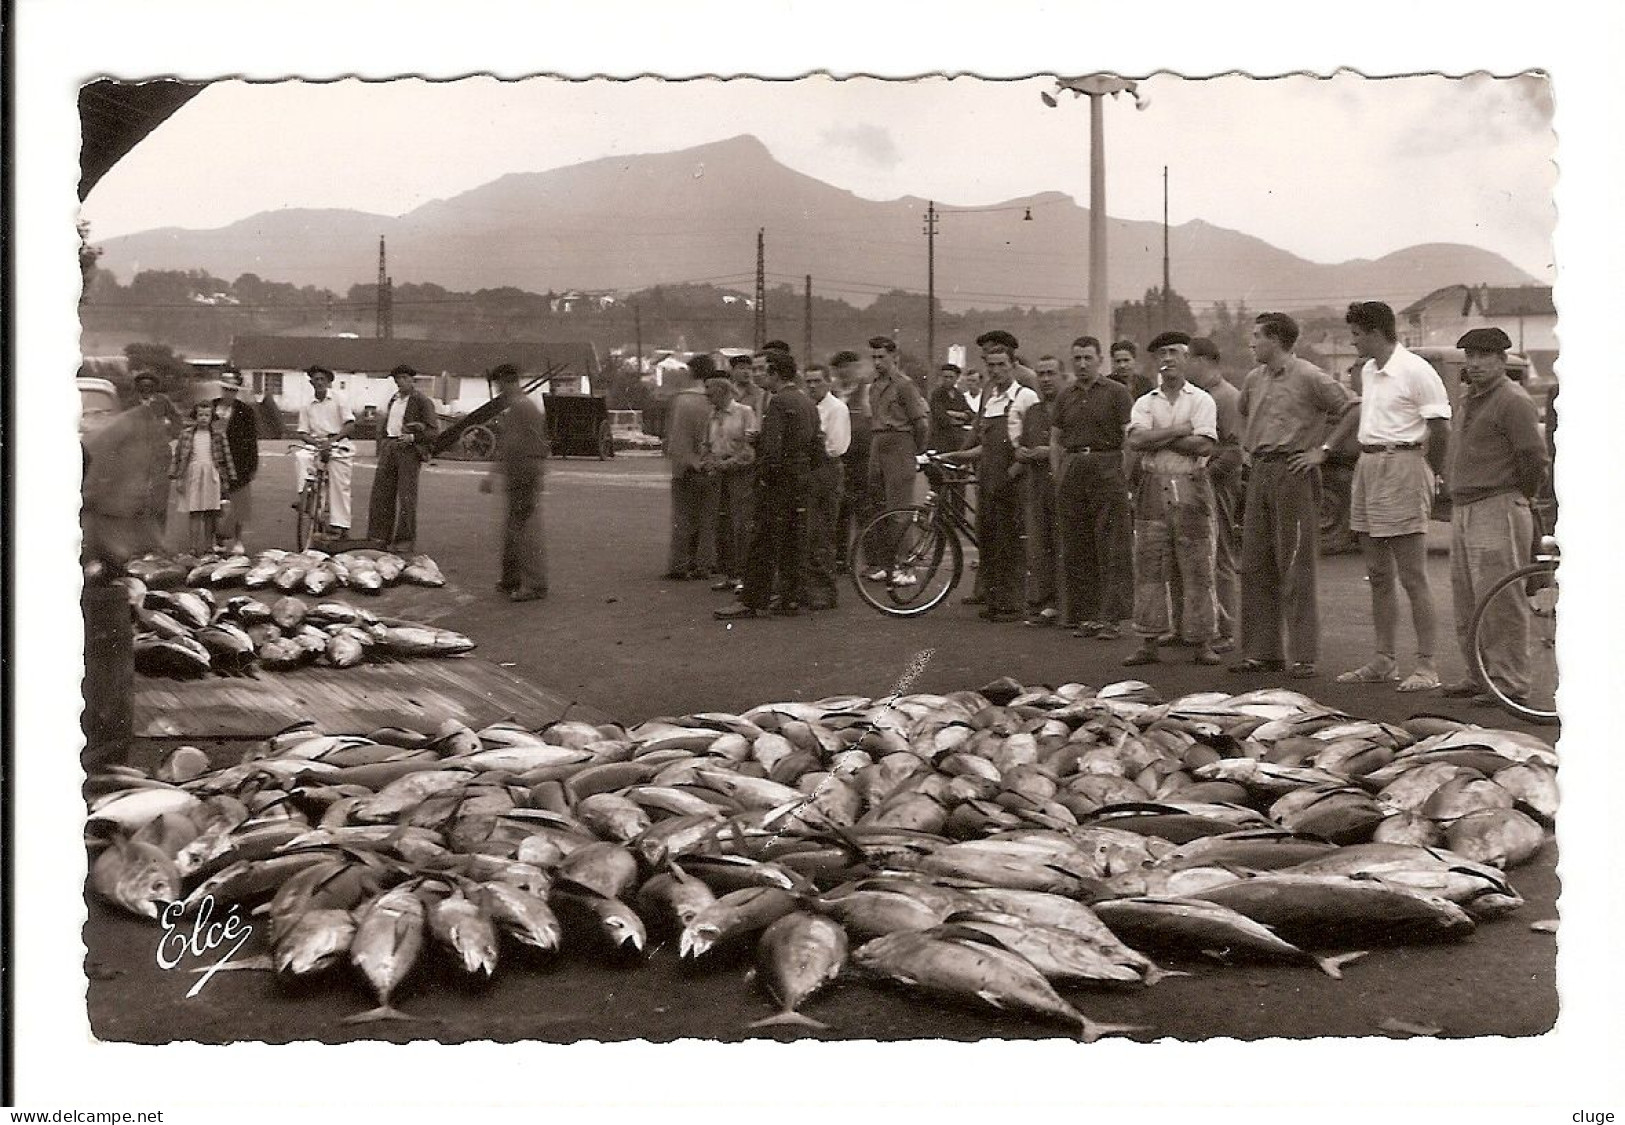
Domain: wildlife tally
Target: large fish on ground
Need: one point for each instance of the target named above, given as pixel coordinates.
(972, 970)
(388, 939)
(797, 955)
(1189, 925)
(1322, 910)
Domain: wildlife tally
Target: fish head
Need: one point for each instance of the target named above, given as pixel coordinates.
(624, 932)
(147, 882)
(696, 941)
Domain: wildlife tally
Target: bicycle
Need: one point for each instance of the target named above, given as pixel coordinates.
(313, 502)
(1535, 583)
(906, 561)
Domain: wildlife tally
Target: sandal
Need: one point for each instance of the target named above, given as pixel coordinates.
(1375, 672)
(1420, 681)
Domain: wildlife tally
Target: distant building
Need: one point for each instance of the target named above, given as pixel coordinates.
(450, 372)
(1525, 313)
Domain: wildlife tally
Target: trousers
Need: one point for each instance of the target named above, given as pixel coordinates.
(823, 507)
(340, 468)
(1173, 531)
(524, 552)
(736, 499)
(778, 542)
(1280, 542)
(693, 540)
(1489, 539)
(891, 481)
(1095, 537)
(392, 515)
(1039, 536)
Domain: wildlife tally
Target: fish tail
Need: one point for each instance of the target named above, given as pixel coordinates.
(1155, 974)
(791, 1018)
(382, 1012)
(1333, 966)
(1093, 1030)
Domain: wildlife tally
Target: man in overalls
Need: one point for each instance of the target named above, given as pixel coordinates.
(998, 501)
(1174, 428)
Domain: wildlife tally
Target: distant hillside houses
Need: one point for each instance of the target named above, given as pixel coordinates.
(576, 299)
(1525, 313)
(453, 373)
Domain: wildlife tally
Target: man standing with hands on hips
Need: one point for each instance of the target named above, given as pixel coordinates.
(1287, 406)
(1174, 429)
(1497, 466)
(1404, 430)
(407, 441)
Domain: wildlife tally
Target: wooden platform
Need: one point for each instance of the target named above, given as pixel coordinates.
(418, 694)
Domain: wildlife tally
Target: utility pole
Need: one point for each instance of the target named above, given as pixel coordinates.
(1166, 283)
(379, 330)
(389, 308)
(761, 288)
(637, 332)
(806, 316)
(930, 285)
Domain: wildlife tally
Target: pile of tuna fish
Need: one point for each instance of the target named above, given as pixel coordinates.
(311, 572)
(190, 632)
(995, 847)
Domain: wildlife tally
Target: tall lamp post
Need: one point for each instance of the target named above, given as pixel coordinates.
(1095, 87)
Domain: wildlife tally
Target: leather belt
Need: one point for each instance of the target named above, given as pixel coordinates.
(1094, 449)
(1393, 447)
(1275, 454)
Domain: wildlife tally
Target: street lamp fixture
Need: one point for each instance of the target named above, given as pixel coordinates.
(1095, 87)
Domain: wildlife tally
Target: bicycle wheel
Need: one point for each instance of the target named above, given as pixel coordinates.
(1527, 594)
(905, 562)
(305, 522)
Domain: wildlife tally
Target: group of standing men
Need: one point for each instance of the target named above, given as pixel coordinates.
(1137, 506)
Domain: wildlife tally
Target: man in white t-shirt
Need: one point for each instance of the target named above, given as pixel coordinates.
(325, 424)
(1404, 431)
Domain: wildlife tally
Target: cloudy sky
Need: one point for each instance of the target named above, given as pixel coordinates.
(1330, 169)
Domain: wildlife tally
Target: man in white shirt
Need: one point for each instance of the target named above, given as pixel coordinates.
(1404, 430)
(998, 499)
(1174, 429)
(326, 424)
(824, 496)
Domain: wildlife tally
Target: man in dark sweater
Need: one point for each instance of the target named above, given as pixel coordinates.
(790, 448)
(404, 443)
(243, 451)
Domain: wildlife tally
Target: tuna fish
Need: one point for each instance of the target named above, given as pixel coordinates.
(798, 955)
(387, 941)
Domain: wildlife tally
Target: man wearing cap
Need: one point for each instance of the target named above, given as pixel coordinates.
(243, 453)
(1497, 466)
(1091, 497)
(1288, 405)
(902, 431)
(325, 425)
(950, 414)
(407, 441)
(1174, 429)
(824, 492)
(998, 493)
(790, 449)
(1404, 430)
(688, 422)
(998, 338)
(522, 449)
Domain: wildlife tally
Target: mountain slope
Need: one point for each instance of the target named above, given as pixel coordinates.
(629, 222)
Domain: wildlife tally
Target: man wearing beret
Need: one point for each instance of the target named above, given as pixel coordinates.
(1497, 465)
(407, 441)
(1173, 429)
(1020, 372)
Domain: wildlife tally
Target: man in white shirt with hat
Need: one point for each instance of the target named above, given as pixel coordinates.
(326, 423)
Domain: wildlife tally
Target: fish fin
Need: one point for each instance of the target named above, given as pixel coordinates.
(990, 998)
(1155, 974)
(382, 1012)
(1333, 966)
(792, 1018)
(1093, 1030)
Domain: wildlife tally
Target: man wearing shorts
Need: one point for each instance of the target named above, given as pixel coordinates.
(1404, 431)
